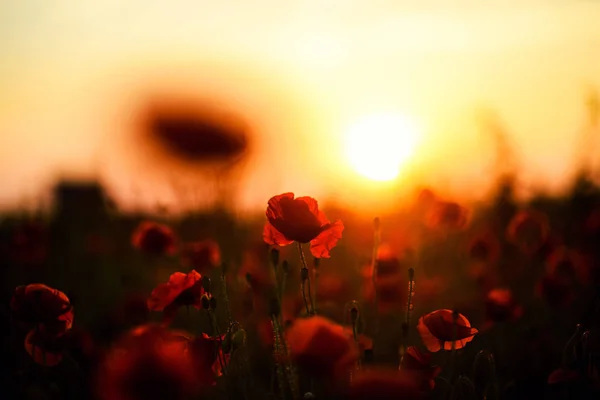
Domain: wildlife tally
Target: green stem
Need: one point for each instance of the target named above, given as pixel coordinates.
(307, 286)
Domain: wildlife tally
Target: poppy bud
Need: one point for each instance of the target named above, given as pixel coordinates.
(285, 266)
(206, 284)
(275, 257)
(205, 302)
(213, 303)
(238, 339)
(304, 274)
(317, 262)
(274, 307)
(353, 314)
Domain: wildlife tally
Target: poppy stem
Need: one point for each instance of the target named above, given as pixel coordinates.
(215, 328)
(376, 243)
(226, 297)
(277, 355)
(305, 278)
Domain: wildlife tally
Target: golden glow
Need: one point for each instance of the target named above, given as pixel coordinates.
(378, 145)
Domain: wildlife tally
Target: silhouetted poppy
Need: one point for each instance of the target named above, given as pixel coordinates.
(438, 330)
(500, 306)
(568, 264)
(201, 256)
(300, 220)
(181, 290)
(448, 215)
(418, 365)
(147, 363)
(154, 238)
(528, 230)
(321, 347)
(37, 304)
(484, 247)
(384, 384)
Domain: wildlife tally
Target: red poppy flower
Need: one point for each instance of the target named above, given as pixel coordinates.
(147, 363)
(37, 304)
(202, 256)
(384, 384)
(484, 247)
(437, 330)
(181, 290)
(154, 238)
(448, 215)
(567, 264)
(418, 364)
(300, 220)
(528, 230)
(500, 306)
(207, 355)
(321, 347)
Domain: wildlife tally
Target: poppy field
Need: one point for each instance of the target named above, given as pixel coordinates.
(436, 300)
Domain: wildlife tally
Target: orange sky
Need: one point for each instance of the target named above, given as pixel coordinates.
(72, 73)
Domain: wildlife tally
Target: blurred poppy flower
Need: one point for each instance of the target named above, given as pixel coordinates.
(29, 243)
(384, 384)
(528, 230)
(555, 290)
(438, 330)
(201, 256)
(148, 362)
(154, 238)
(363, 341)
(484, 247)
(321, 347)
(300, 220)
(418, 365)
(567, 264)
(181, 290)
(500, 306)
(562, 375)
(257, 277)
(38, 305)
(448, 215)
(207, 356)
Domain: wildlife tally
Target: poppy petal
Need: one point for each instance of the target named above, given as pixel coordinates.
(313, 205)
(274, 209)
(322, 244)
(273, 237)
(432, 343)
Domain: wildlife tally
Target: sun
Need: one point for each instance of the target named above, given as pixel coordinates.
(378, 145)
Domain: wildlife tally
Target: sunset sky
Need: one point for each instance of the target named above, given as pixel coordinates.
(73, 72)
